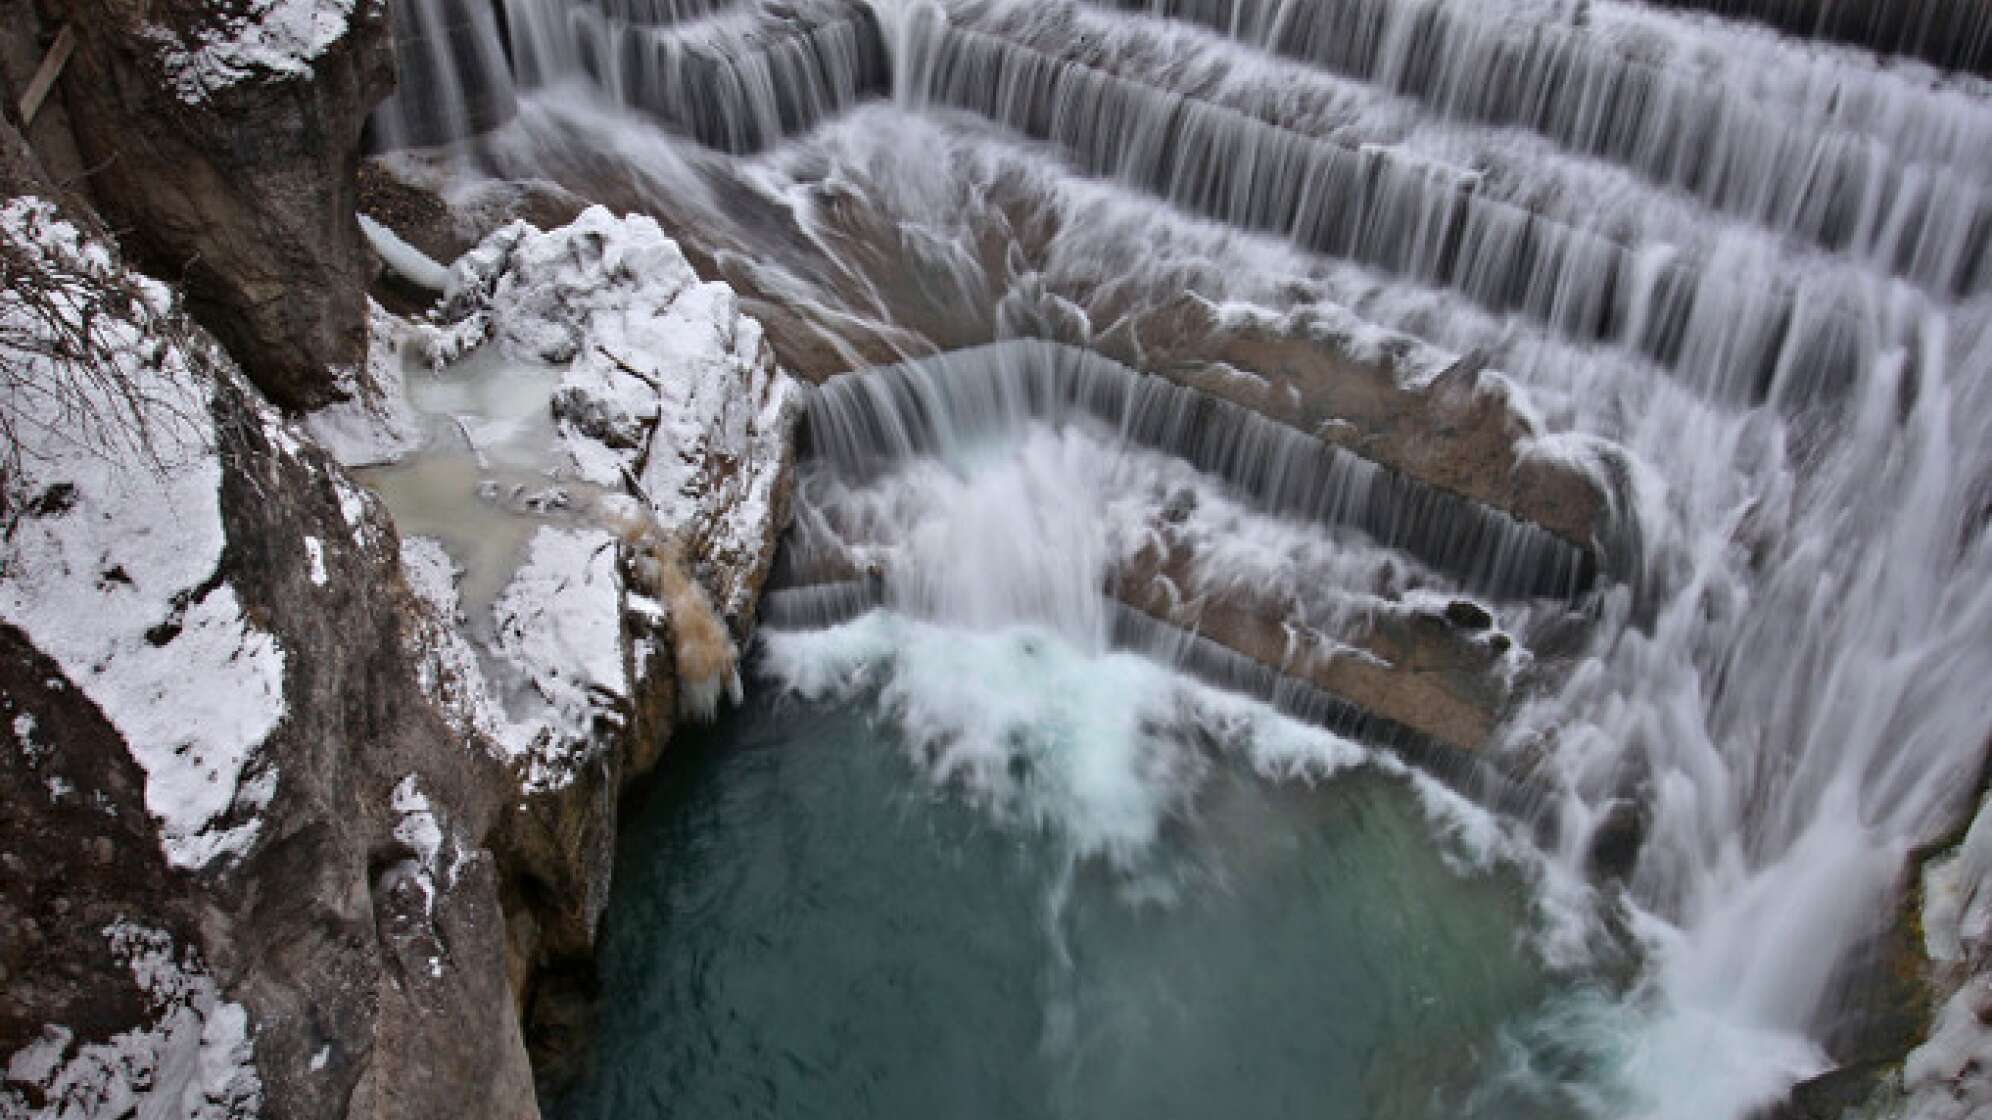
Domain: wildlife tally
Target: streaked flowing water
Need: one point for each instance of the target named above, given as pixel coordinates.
(1738, 279)
(453, 79)
(734, 76)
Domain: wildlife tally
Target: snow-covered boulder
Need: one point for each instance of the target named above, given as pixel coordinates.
(668, 385)
(673, 432)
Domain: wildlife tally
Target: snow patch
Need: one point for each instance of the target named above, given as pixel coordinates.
(559, 624)
(34, 1063)
(559, 631)
(559, 618)
(194, 1060)
(315, 551)
(268, 39)
(449, 672)
(420, 827)
(118, 585)
(375, 424)
(564, 645)
(24, 734)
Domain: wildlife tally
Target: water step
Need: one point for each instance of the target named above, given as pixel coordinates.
(1412, 669)
(1456, 431)
(651, 13)
(1735, 337)
(737, 81)
(1477, 775)
(1312, 694)
(1854, 159)
(1954, 34)
(864, 423)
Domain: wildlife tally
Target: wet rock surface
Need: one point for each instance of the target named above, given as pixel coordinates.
(1404, 666)
(1458, 432)
(226, 154)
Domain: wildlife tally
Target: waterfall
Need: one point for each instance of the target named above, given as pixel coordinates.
(454, 81)
(1853, 161)
(938, 406)
(1727, 323)
(736, 79)
(1754, 268)
(1953, 33)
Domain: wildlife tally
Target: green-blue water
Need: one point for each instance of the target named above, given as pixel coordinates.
(803, 926)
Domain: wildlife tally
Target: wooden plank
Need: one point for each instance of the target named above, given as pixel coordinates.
(51, 69)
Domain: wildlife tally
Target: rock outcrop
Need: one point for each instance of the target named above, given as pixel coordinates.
(667, 386)
(1948, 1076)
(672, 463)
(211, 696)
(223, 141)
(277, 838)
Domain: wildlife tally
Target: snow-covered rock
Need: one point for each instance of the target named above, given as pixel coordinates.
(269, 728)
(667, 383)
(559, 638)
(1949, 1076)
(192, 1058)
(210, 696)
(671, 451)
(559, 626)
(559, 621)
(118, 581)
(261, 40)
(375, 424)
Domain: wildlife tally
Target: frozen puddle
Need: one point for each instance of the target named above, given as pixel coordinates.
(492, 470)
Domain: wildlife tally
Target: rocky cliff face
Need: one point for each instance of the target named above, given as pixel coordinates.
(222, 140)
(211, 699)
(673, 455)
(274, 844)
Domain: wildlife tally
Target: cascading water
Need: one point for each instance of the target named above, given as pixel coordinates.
(1861, 162)
(1281, 151)
(1955, 33)
(940, 405)
(454, 80)
(1736, 281)
(735, 77)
